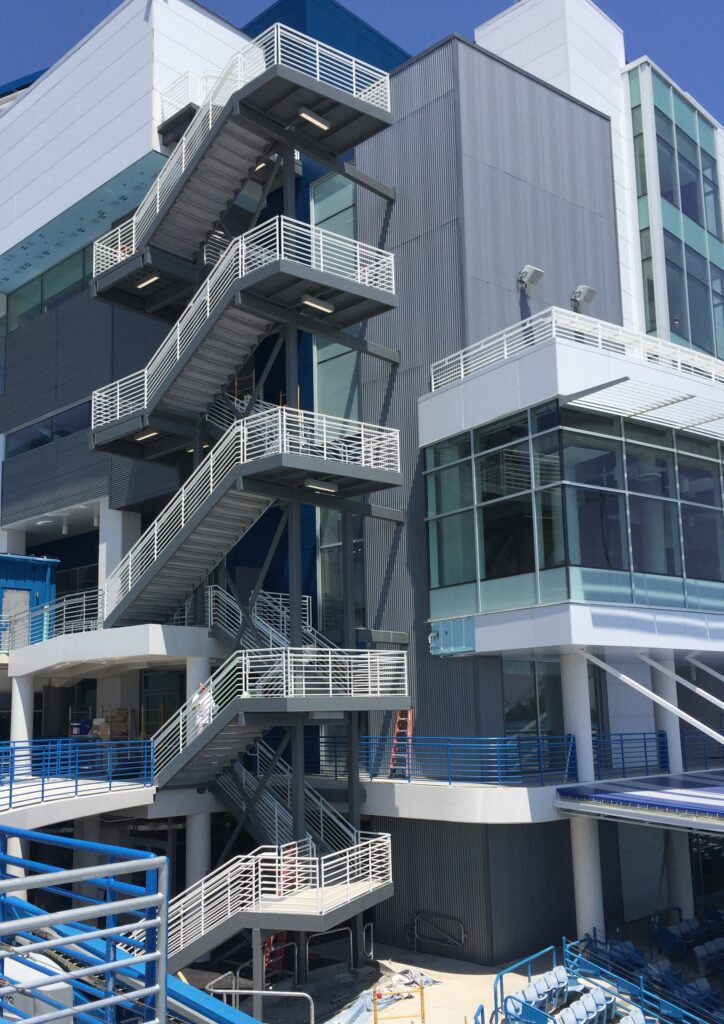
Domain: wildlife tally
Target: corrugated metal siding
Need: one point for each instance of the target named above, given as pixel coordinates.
(60, 474)
(133, 482)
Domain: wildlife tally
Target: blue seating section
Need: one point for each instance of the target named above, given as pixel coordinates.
(710, 956)
(550, 992)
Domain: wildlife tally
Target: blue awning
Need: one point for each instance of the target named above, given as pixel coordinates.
(692, 800)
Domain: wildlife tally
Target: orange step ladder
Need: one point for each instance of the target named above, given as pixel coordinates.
(401, 753)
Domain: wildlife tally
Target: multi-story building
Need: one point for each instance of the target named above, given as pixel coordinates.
(323, 554)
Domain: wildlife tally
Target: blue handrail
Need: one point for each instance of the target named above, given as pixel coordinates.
(622, 754)
(52, 769)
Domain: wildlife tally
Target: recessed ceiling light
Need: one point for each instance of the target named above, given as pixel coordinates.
(323, 486)
(315, 119)
(319, 304)
(149, 280)
(148, 436)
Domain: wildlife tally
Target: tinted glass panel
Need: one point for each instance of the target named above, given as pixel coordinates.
(71, 420)
(447, 451)
(27, 438)
(596, 527)
(582, 419)
(699, 481)
(63, 280)
(650, 471)
(24, 304)
(452, 550)
(655, 536)
(596, 461)
(506, 538)
(504, 472)
(703, 535)
(520, 707)
(551, 529)
(547, 458)
(550, 699)
(450, 489)
(501, 432)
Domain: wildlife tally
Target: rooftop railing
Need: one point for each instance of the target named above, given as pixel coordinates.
(277, 431)
(43, 770)
(282, 672)
(564, 325)
(275, 239)
(278, 45)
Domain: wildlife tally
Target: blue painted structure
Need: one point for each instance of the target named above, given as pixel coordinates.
(26, 572)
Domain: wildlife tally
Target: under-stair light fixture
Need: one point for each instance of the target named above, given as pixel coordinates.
(149, 280)
(319, 304)
(261, 165)
(147, 436)
(321, 486)
(315, 119)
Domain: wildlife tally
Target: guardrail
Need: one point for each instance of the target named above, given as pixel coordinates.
(281, 672)
(564, 325)
(278, 45)
(37, 771)
(496, 761)
(108, 931)
(699, 751)
(287, 878)
(74, 613)
(5, 642)
(280, 238)
(277, 431)
(187, 88)
(623, 754)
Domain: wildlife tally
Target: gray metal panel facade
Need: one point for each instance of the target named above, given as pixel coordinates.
(493, 170)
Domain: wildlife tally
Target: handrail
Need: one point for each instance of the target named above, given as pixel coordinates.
(275, 239)
(278, 431)
(5, 641)
(563, 325)
(281, 672)
(623, 754)
(274, 878)
(278, 45)
(43, 770)
(73, 613)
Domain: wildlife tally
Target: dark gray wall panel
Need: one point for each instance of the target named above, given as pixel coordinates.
(60, 474)
(133, 482)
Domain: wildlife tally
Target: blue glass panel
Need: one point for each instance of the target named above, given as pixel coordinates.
(511, 592)
(658, 591)
(600, 585)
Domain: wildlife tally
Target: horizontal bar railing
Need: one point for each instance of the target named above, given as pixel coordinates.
(74, 613)
(278, 431)
(5, 640)
(37, 771)
(699, 751)
(282, 672)
(275, 239)
(186, 89)
(278, 45)
(287, 878)
(624, 754)
(102, 944)
(564, 325)
(517, 760)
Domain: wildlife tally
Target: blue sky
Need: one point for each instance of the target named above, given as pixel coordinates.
(685, 38)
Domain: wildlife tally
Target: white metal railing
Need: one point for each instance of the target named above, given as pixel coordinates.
(5, 621)
(226, 409)
(278, 45)
(323, 821)
(74, 613)
(187, 88)
(275, 239)
(564, 325)
(287, 879)
(281, 672)
(275, 818)
(279, 430)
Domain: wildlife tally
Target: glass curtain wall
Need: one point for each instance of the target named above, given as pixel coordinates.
(558, 504)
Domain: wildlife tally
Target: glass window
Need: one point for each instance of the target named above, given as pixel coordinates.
(70, 421)
(506, 471)
(596, 422)
(450, 489)
(551, 528)
(717, 296)
(596, 461)
(334, 204)
(63, 280)
(712, 204)
(640, 165)
(506, 538)
(452, 550)
(647, 271)
(27, 438)
(676, 286)
(501, 432)
(649, 434)
(547, 458)
(544, 417)
(703, 446)
(596, 527)
(655, 536)
(650, 471)
(550, 698)
(24, 304)
(703, 535)
(692, 203)
(697, 279)
(520, 705)
(668, 183)
(699, 480)
(447, 451)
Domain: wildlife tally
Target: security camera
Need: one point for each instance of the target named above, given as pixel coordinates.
(583, 293)
(529, 275)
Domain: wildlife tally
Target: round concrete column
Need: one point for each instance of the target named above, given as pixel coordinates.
(21, 708)
(587, 885)
(664, 686)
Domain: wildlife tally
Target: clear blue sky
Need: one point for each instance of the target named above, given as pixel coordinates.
(683, 36)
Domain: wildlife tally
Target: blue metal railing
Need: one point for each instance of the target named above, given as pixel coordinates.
(520, 760)
(99, 953)
(544, 960)
(700, 751)
(40, 770)
(622, 754)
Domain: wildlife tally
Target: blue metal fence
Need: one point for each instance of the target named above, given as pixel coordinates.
(41, 770)
(622, 754)
(700, 751)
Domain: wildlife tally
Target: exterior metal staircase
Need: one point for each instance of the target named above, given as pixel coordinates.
(282, 77)
(269, 618)
(218, 503)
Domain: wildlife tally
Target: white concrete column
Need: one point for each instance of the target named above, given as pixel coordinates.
(198, 826)
(117, 532)
(12, 542)
(21, 708)
(587, 884)
(664, 686)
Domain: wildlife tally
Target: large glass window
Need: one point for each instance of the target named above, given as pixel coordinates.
(655, 536)
(712, 204)
(676, 286)
(532, 698)
(699, 480)
(703, 533)
(668, 181)
(24, 304)
(506, 471)
(647, 272)
(700, 308)
(692, 200)
(650, 471)
(596, 461)
(69, 421)
(450, 489)
(506, 538)
(596, 522)
(63, 280)
(452, 550)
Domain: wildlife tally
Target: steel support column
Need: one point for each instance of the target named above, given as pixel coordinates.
(257, 953)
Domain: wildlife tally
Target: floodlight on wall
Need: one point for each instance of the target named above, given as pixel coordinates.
(529, 275)
(583, 293)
